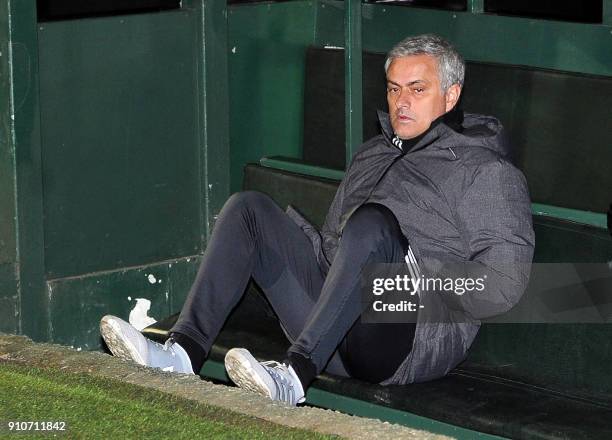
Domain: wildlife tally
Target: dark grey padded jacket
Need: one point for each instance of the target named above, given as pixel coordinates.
(457, 199)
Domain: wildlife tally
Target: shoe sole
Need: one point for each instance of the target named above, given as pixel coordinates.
(245, 371)
(117, 343)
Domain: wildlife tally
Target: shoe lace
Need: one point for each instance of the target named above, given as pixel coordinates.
(168, 346)
(285, 389)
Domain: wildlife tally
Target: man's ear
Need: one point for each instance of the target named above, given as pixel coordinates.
(452, 96)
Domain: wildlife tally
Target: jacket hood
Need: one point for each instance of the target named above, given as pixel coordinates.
(475, 131)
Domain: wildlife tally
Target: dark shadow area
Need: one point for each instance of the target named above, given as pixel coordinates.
(587, 11)
(51, 10)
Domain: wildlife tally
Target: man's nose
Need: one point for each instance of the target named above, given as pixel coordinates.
(403, 100)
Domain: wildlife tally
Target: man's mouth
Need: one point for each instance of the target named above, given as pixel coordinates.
(404, 118)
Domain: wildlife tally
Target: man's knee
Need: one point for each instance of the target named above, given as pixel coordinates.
(372, 221)
(248, 200)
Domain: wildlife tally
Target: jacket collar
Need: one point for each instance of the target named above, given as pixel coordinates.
(435, 133)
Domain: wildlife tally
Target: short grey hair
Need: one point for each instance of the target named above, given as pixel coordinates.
(451, 66)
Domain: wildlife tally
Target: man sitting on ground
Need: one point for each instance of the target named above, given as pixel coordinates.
(434, 189)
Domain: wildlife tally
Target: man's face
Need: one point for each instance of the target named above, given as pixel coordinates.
(414, 94)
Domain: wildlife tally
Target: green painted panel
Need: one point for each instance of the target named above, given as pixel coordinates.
(353, 99)
(215, 103)
(570, 358)
(476, 6)
(119, 116)
(558, 45)
(267, 45)
(301, 168)
(7, 207)
(607, 12)
(182, 277)
(25, 131)
(9, 299)
(349, 405)
(329, 24)
(574, 215)
(7, 152)
(9, 315)
(572, 243)
(78, 303)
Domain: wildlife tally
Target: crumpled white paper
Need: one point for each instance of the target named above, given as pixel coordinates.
(139, 316)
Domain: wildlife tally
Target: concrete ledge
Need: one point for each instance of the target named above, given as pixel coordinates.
(19, 349)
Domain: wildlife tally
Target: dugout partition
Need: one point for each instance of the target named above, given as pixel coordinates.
(114, 149)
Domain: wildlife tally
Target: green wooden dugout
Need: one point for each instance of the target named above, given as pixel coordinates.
(121, 136)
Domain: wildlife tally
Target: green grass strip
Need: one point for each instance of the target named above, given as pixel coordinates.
(104, 408)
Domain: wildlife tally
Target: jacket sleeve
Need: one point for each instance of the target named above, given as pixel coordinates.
(494, 219)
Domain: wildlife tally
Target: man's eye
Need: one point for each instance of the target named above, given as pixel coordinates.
(418, 90)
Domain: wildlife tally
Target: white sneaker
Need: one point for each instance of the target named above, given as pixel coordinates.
(125, 342)
(271, 379)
